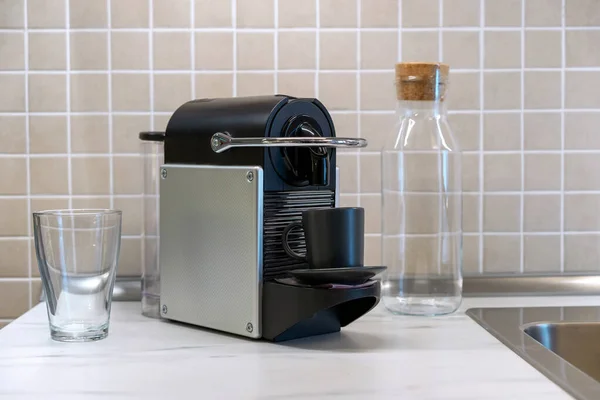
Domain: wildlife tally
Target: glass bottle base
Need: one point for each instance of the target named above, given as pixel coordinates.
(78, 333)
(424, 306)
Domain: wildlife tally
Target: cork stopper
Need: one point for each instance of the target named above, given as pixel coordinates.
(421, 81)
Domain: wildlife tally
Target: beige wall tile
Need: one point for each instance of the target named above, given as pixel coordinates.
(127, 171)
(13, 223)
(47, 93)
(214, 50)
(583, 48)
(581, 130)
(346, 125)
(419, 46)
(502, 131)
(502, 172)
(36, 291)
(372, 205)
(379, 13)
(503, 12)
(129, 14)
(129, 50)
(5, 323)
(542, 171)
(125, 132)
(470, 172)
(292, 16)
(47, 134)
(377, 91)
(501, 253)
(210, 14)
(300, 84)
(254, 84)
(502, 49)
(46, 13)
(348, 164)
(582, 212)
(214, 85)
(379, 50)
(541, 212)
(12, 47)
(87, 14)
(12, 134)
(541, 253)
(338, 13)
(12, 96)
(130, 259)
(461, 49)
(255, 14)
(349, 200)
(161, 121)
(582, 172)
(12, 15)
(580, 89)
(255, 50)
(91, 202)
(543, 49)
(420, 13)
(470, 255)
(542, 131)
(89, 134)
(49, 175)
(15, 260)
(14, 298)
(370, 173)
(131, 92)
(337, 50)
(297, 50)
(171, 91)
(89, 50)
(543, 12)
(501, 213)
(461, 13)
(338, 90)
(373, 250)
(464, 92)
(502, 90)
(582, 252)
(47, 51)
(542, 89)
(172, 50)
(132, 214)
(14, 178)
(470, 219)
(172, 13)
(89, 92)
(376, 128)
(91, 175)
(582, 13)
(47, 203)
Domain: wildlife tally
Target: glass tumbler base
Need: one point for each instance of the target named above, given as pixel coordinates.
(151, 306)
(422, 306)
(77, 333)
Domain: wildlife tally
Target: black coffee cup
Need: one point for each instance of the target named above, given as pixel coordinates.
(334, 237)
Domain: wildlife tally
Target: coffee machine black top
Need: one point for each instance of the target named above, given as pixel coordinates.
(279, 133)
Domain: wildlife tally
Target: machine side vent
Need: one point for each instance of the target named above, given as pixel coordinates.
(281, 209)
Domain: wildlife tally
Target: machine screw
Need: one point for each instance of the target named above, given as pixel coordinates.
(250, 176)
(164, 309)
(249, 327)
(163, 173)
(214, 143)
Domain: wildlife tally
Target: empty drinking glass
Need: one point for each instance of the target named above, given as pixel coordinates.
(77, 253)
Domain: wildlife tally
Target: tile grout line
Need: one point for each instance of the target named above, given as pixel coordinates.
(276, 45)
(111, 167)
(193, 48)
(68, 90)
(481, 127)
(562, 135)
(27, 160)
(358, 93)
(317, 46)
(440, 24)
(234, 49)
(151, 60)
(522, 138)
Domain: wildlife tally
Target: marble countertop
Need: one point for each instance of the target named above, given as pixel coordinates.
(379, 356)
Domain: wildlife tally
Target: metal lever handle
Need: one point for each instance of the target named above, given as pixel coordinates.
(222, 141)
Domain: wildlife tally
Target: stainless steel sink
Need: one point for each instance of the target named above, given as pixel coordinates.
(563, 343)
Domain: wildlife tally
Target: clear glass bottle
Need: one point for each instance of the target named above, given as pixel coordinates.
(422, 198)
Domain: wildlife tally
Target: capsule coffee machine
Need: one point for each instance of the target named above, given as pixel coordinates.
(236, 172)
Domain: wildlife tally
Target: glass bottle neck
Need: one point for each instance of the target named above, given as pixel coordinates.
(421, 109)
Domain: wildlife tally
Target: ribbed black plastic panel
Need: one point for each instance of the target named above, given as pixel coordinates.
(281, 209)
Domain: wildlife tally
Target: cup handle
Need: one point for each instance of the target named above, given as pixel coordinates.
(284, 241)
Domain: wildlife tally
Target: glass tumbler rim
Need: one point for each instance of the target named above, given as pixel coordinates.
(73, 212)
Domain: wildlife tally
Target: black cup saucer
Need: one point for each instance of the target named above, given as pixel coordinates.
(344, 276)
